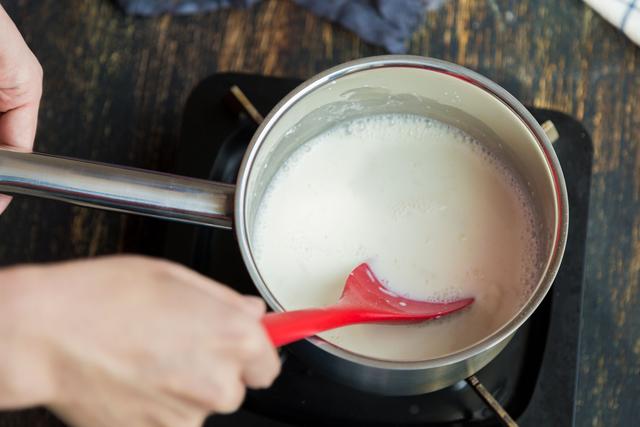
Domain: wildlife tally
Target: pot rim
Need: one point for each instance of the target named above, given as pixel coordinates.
(561, 205)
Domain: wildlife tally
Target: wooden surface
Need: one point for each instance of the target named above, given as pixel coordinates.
(115, 87)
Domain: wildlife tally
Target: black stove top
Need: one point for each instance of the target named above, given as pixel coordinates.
(533, 377)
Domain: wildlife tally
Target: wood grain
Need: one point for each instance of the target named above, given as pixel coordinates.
(115, 87)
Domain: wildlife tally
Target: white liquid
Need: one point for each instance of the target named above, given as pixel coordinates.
(435, 215)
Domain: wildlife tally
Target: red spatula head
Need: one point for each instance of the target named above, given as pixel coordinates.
(364, 299)
(364, 291)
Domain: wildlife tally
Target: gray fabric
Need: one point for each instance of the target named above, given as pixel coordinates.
(178, 7)
(387, 23)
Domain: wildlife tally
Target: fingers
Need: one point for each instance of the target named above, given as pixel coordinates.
(251, 305)
(20, 88)
(249, 350)
(257, 357)
(229, 393)
(18, 129)
(263, 364)
(20, 91)
(222, 392)
(228, 385)
(18, 126)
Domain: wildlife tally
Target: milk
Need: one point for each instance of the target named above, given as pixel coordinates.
(434, 213)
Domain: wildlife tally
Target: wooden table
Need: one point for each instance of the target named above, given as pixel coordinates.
(115, 87)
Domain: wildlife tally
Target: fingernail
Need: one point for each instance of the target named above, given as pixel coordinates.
(255, 305)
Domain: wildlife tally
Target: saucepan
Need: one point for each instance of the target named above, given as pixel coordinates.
(376, 85)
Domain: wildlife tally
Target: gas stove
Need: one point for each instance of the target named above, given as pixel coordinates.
(533, 378)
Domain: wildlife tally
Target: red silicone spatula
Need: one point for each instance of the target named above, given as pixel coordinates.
(363, 300)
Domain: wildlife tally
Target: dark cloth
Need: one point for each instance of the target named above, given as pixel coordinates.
(178, 7)
(387, 23)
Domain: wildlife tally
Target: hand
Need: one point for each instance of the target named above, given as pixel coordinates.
(20, 90)
(129, 341)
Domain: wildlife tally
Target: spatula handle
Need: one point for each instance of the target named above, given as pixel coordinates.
(287, 327)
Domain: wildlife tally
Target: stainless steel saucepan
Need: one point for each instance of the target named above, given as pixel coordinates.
(386, 84)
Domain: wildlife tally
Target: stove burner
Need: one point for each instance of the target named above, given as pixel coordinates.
(238, 101)
(533, 378)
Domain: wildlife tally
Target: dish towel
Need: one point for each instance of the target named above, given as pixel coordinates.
(624, 14)
(387, 23)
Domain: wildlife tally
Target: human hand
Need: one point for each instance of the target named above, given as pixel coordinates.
(129, 341)
(20, 90)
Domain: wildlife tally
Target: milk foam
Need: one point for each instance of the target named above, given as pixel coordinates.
(436, 215)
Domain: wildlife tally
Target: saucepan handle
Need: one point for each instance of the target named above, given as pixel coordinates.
(117, 188)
